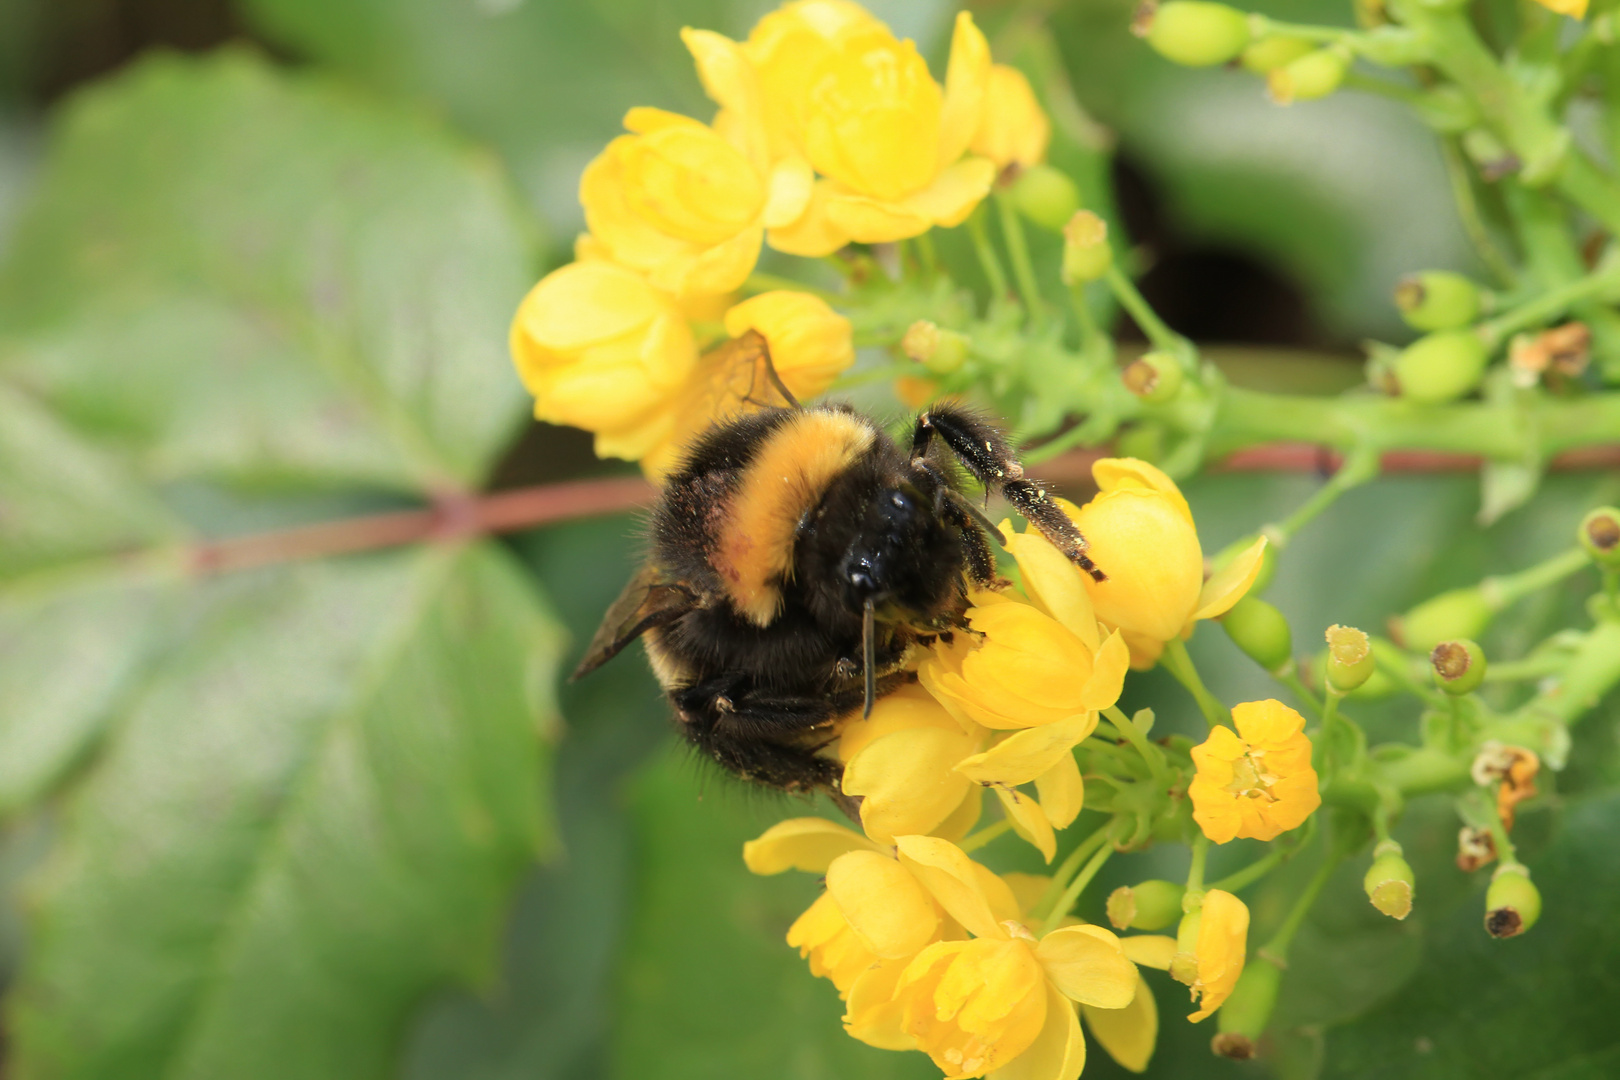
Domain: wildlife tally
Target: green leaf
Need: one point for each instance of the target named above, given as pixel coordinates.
(709, 987)
(241, 274)
(1540, 1005)
(312, 814)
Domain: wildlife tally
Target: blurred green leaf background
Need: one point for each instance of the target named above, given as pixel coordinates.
(334, 819)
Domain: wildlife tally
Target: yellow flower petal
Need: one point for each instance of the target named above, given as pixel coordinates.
(883, 902)
(1222, 943)
(967, 83)
(869, 220)
(1228, 586)
(954, 881)
(871, 119)
(1028, 820)
(1061, 792)
(964, 817)
(871, 1013)
(823, 937)
(951, 196)
(974, 1006)
(1052, 583)
(814, 233)
(1088, 965)
(810, 343)
(1128, 1034)
(1015, 129)
(1058, 1052)
(1024, 755)
(1027, 889)
(907, 781)
(730, 81)
(807, 843)
(792, 182)
(1107, 677)
(1149, 950)
(1113, 474)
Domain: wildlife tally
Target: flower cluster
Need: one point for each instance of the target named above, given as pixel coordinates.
(829, 131)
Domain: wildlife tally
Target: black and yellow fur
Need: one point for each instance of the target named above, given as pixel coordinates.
(798, 556)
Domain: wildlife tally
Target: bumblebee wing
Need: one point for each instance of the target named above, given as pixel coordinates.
(649, 600)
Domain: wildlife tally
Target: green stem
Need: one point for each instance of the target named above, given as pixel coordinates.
(1067, 869)
(1200, 856)
(1076, 887)
(1501, 591)
(1277, 948)
(1330, 716)
(1592, 671)
(927, 254)
(989, 261)
(1462, 193)
(1289, 677)
(1358, 468)
(1131, 733)
(1175, 660)
(990, 832)
(1012, 230)
(1091, 335)
(1256, 870)
(1551, 303)
(1144, 316)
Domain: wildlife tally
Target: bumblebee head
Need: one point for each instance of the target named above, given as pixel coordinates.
(902, 557)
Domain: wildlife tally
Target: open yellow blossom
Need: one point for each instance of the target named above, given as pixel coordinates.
(1023, 668)
(688, 204)
(1014, 129)
(1256, 783)
(1003, 1002)
(888, 141)
(1575, 9)
(1142, 534)
(1042, 756)
(1211, 946)
(901, 762)
(808, 343)
(601, 349)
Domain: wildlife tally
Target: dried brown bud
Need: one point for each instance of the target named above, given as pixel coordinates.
(1475, 848)
(1563, 350)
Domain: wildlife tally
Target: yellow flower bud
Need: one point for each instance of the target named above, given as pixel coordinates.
(1314, 75)
(1141, 533)
(1086, 253)
(1014, 129)
(1256, 783)
(1046, 196)
(1460, 613)
(1211, 948)
(1195, 33)
(1437, 300)
(1441, 366)
(600, 349)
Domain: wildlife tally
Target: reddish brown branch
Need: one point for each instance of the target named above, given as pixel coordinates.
(460, 517)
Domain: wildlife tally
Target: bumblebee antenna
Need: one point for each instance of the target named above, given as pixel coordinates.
(869, 653)
(787, 396)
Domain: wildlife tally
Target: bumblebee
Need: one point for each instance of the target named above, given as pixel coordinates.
(798, 556)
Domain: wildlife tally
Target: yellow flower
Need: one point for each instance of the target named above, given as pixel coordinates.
(1575, 9)
(1141, 533)
(1021, 668)
(600, 349)
(685, 203)
(1003, 1002)
(901, 762)
(1257, 783)
(1014, 130)
(809, 345)
(888, 140)
(1211, 947)
(786, 47)
(1042, 756)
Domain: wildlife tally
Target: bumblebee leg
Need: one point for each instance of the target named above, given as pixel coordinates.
(983, 451)
(981, 561)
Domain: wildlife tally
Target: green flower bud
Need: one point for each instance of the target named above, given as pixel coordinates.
(1247, 1011)
(1460, 613)
(1150, 905)
(1600, 536)
(1390, 882)
(1270, 53)
(1261, 631)
(940, 351)
(1184, 963)
(1193, 32)
(1441, 367)
(1350, 658)
(1154, 377)
(1046, 196)
(1512, 903)
(1437, 300)
(1086, 254)
(1459, 666)
(1314, 75)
